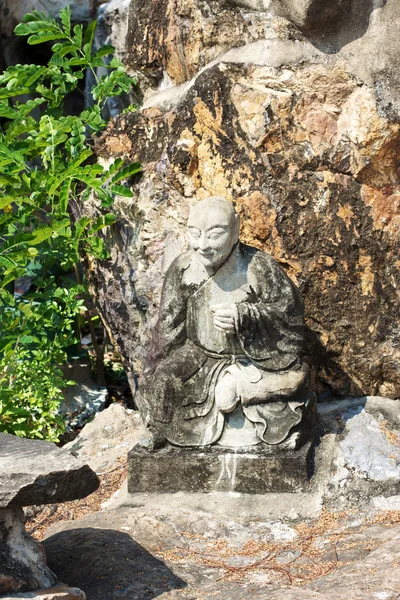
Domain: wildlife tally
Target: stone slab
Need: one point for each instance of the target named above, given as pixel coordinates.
(210, 469)
(231, 505)
(37, 472)
(57, 592)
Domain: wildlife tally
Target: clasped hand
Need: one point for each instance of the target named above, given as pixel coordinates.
(225, 316)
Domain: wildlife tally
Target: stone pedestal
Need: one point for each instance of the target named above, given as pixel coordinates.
(256, 470)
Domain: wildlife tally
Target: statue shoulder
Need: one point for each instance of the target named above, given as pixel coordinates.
(259, 258)
(179, 264)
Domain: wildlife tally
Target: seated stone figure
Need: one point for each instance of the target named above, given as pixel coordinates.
(224, 364)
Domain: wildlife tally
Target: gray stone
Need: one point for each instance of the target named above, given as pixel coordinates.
(220, 505)
(367, 450)
(365, 462)
(36, 472)
(192, 539)
(256, 471)
(311, 15)
(33, 472)
(104, 442)
(224, 365)
(22, 560)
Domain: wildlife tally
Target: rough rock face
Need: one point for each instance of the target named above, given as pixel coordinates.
(22, 563)
(313, 170)
(57, 592)
(306, 144)
(172, 39)
(366, 452)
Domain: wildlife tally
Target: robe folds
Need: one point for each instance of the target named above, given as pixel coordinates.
(188, 356)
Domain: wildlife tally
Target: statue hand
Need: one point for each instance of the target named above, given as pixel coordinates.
(225, 316)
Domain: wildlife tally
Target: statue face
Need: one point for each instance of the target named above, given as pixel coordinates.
(213, 230)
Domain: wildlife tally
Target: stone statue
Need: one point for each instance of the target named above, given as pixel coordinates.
(224, 365)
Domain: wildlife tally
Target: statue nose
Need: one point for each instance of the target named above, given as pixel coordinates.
(204, 243)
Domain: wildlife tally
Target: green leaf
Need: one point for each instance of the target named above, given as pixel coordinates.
(64, 49)
(87, 48)
(41, 234)
(89, 33)
(7, 111)
(101, 222)
(64, 195)
(126, 172)
(65, 18)
(37, 15)
(121, 190)
(39, 71)
(78, 62)
(42, 37)
(104, 51)
(39, 26)
(6, 201)
(78, 29)
(26, 339)
(116, 63)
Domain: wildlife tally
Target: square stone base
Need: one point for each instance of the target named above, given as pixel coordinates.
(256, 470)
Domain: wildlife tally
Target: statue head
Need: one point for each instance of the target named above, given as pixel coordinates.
(213, 230)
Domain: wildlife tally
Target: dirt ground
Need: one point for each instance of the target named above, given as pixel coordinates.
(133, 553)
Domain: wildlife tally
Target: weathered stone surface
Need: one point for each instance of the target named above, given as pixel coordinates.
(112, 25)
(367, 450)
(22, 559)
(170, 40)
(36, 472)
(82, 401)
(322, 18)
(104, 442)
(212, 469)
(180, 553)
(312, 167)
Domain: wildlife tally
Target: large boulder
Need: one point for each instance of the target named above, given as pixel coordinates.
(170, 40)
(301, 147)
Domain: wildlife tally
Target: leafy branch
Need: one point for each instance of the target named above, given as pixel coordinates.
(46, 162)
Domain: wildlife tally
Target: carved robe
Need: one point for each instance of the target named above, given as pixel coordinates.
(188, 355)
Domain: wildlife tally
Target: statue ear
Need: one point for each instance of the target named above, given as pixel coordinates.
(237, 227)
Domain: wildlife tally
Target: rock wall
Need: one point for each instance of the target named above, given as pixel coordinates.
(303, 138)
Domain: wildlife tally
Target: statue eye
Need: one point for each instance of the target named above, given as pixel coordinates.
(215, 234)
(194, 233)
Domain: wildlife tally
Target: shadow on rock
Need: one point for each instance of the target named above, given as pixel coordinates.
(350, 22)
(108, 565)
(327, 370)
